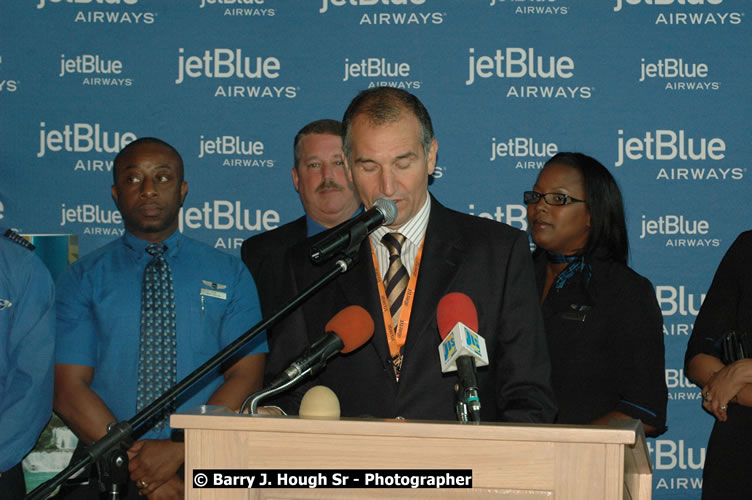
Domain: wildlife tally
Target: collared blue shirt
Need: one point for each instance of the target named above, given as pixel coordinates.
(99, 315)
(27, 350)
(312, 227)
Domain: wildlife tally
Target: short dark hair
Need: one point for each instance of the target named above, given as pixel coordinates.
(139, 142)
(608, 228)
(325, 126)
(383, 105)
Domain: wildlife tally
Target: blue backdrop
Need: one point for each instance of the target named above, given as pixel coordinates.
(658, 90)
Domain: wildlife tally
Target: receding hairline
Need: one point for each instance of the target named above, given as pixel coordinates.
(325, 126)
(385, 105)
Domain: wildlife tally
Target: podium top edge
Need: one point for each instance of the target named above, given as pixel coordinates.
(622, 431)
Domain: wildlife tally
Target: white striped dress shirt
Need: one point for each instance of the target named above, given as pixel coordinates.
(413, 230)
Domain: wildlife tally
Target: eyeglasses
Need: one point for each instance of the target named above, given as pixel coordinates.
(555, 199)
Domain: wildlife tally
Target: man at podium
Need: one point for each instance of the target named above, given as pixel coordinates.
(428, 252)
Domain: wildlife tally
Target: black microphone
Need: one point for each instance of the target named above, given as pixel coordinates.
(346, 331)
(350, 234)
(461, 350)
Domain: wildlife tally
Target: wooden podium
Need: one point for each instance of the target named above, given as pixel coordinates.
(510, 460)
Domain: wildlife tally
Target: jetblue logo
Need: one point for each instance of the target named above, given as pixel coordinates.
(82, 138)
(89, 214)
(525, 147)
(226, 215)
(669, 454)
(620, 3)
(676, 300)
(226, 63)
(42, 3)
(516, 62)
(668, 145)
(363, 3)
(88, 64)
(514, 215)
(694, 12)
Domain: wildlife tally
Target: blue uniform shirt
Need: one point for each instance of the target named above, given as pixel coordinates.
(99, 315)
(27, 350)
(312, 227)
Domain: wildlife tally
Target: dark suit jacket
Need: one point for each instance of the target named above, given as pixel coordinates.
(264, 254)
(605, 339)
(488, 261)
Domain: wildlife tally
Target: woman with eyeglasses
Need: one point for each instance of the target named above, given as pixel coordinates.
(603, 323)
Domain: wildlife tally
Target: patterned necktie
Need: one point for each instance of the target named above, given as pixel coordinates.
(157, 360)
(395, 284)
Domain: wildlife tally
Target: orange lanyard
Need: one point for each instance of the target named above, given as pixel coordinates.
(396, 339)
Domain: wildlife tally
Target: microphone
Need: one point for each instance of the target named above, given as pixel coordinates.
(350, 234)
(346, 331)
(319, 402)
(461, 350)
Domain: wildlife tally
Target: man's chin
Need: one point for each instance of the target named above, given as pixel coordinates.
(151, 227)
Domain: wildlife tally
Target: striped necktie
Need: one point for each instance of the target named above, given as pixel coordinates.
(396, 278)
(157, 360)
(395, 284)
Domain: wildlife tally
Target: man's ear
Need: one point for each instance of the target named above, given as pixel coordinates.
(295, 178)
(431, 160)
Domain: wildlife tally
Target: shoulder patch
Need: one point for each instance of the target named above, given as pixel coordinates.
(17, 238)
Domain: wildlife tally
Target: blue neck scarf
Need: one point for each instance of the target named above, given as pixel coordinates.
(576, 265)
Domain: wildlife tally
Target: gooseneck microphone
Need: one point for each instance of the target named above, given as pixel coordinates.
(349, 329)
(348, 235)
(346, 331)
(462, 350)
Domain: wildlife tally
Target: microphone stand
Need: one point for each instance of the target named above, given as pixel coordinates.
(467, 403)
(460, 406)
(252, 401)
(110, 449)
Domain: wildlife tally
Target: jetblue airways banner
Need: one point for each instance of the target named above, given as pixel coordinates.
(657, 90)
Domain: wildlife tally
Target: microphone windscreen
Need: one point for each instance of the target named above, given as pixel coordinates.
(320, 402)
(388, 208)
(353, 325)
(456, 308)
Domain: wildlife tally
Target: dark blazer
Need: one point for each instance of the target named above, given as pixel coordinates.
(488, 261)
(263, 254)
(605, 339)
(727, 306)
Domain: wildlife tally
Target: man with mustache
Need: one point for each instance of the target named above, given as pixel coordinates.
(141, 313)
(328, 199)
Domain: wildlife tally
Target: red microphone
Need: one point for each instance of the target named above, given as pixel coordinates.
(454, 308)
(353, 325)
(346, 331)
(461, 350)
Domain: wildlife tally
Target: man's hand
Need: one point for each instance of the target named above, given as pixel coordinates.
(154, 462)
(173, 489)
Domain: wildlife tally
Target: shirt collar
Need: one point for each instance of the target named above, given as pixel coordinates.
(138, 246)
(414, 229)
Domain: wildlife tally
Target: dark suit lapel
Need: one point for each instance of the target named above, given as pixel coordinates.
(358, 286)
(442, 254)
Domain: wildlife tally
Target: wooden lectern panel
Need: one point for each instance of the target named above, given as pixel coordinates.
(529, 462)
